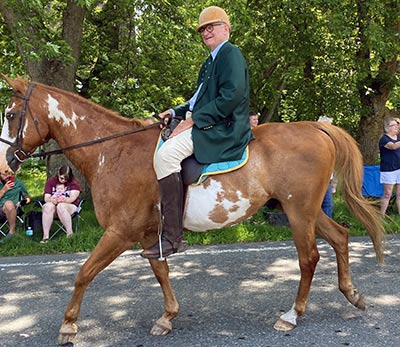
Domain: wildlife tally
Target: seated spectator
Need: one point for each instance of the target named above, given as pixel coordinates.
(64, 206)
(11, 191)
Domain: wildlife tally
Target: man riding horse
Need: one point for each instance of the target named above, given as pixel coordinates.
(215, 126)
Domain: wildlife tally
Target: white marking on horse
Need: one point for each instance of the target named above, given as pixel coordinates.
(208, 206)
(290, 316)
(289, 196)
(59, 115)
(101, 161)
(5, 134)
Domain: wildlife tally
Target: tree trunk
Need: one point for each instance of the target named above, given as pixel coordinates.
(374, 90)
(63, 76)
(54, 72)
(371, 125)
(370, 131)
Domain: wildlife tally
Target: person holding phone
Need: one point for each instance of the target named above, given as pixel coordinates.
(11, 190)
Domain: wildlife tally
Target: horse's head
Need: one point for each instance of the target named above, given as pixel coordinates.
(22, 133)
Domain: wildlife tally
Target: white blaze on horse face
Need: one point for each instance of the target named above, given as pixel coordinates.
(59, 115)
(5, 134)
(208, 206)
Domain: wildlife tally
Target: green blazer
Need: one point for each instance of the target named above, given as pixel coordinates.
(221, 112)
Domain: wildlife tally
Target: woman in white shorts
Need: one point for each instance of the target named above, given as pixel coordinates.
(389, 148)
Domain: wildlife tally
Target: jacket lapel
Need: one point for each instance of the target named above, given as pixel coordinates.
(205, 76)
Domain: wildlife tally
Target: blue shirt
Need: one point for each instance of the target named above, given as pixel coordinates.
(193, 99)
(390, 158)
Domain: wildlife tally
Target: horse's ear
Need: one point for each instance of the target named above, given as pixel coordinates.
(7, 79)
(18, 85)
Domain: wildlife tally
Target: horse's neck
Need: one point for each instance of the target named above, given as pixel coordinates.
(85, 123)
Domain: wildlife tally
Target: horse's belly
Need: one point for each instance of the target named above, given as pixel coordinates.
(210, 206)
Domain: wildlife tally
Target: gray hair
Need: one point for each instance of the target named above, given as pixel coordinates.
(386, 123)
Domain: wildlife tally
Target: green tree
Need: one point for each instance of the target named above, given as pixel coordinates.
(332, 58)
(306, 58)
(378, 67)
(47, 36)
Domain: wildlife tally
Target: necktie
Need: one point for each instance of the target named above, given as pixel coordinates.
(206, 67)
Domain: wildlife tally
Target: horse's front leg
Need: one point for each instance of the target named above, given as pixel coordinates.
(304, 239)
(163, 325)
(108, 248)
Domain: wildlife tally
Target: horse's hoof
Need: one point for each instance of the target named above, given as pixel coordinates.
(161, 328)
(67, 333)
(360, 303)
(357, 299)
(282, 325)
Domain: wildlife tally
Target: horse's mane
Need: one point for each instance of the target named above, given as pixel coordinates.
(24, 83)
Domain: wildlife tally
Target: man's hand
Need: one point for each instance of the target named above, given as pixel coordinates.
(165, 115)
(182, 126)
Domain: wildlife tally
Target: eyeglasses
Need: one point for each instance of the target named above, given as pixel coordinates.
(209, 27)
(393, 125)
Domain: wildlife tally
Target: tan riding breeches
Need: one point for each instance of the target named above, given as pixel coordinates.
(169, 157)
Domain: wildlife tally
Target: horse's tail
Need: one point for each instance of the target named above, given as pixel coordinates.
(349, 169)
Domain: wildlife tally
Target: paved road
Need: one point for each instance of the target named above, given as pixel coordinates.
(230, 295)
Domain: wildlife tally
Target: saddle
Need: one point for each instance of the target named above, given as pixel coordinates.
(193, 172)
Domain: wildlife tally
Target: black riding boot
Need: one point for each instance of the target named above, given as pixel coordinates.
(171, 195)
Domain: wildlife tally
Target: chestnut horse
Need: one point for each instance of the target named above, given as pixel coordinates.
(291, 163)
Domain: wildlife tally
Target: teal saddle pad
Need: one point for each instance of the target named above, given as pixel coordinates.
(194, 173)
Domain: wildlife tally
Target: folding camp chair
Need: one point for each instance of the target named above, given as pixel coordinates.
(372, 187)
(59, 227)
(4, 227)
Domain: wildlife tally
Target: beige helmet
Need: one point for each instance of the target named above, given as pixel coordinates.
(213, 14)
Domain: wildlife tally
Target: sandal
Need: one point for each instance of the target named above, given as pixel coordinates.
(44, 241)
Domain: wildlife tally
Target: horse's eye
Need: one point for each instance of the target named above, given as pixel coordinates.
(10, 115)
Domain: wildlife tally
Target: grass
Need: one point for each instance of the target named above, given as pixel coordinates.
(253, 229)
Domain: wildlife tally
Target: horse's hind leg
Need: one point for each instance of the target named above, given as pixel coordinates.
(163, 325)
(304, 239)
(108, 248)
(337, 236)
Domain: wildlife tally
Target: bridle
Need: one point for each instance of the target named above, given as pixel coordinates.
(19, 153)
(22, 155)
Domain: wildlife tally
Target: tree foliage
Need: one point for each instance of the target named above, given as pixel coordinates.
(306, 58)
